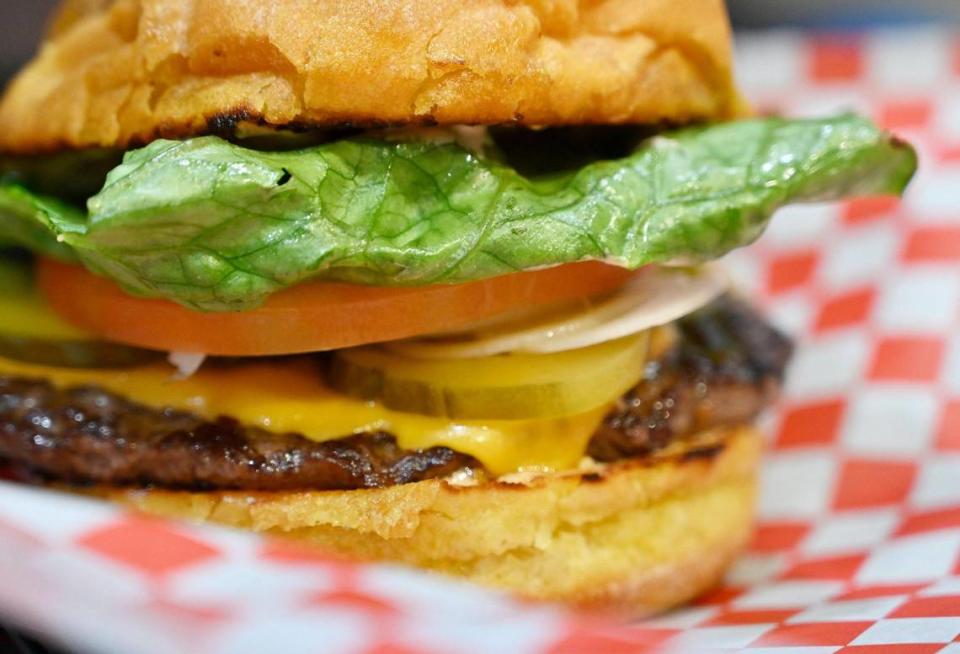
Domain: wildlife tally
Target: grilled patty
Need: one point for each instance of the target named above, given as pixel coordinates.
(725, 367)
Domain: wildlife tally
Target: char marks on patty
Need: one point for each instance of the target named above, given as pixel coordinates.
(88, 435)
(725, 367)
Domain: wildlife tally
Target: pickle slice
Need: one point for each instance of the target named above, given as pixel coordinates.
(506, 387)
(30, 331)
(74, 354)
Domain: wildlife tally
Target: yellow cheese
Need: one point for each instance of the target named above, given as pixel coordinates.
(289, 396)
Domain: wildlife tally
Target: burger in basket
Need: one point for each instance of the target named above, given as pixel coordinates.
(427, 282)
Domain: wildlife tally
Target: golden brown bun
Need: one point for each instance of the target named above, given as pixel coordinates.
(127, 71)
(638, 536)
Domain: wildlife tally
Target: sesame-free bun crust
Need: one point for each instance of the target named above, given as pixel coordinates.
(116, 73)
(638, 536)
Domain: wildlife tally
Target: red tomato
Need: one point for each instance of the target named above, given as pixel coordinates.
(313, 316)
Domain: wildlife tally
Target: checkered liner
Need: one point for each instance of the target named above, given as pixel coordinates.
(858, 547)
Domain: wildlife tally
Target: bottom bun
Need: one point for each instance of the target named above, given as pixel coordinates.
(639, 535)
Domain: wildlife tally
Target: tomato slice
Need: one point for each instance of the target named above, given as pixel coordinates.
(313, 316)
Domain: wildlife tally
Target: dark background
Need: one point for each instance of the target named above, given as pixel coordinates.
(22, 20)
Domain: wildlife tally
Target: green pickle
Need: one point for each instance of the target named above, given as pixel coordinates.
(31, 332)
(507, 386)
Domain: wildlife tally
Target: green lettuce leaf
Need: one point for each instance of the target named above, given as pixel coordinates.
(216, 226)
(37, 223)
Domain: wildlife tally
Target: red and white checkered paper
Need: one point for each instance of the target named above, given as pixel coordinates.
(858, 546)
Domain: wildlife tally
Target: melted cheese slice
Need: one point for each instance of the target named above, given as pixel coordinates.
(289, 396)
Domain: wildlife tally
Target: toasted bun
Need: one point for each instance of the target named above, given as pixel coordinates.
(122, 72)
(639, 536)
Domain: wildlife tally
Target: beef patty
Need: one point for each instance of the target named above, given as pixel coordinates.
(724, 368)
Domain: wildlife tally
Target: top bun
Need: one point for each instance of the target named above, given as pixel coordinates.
(116, 73)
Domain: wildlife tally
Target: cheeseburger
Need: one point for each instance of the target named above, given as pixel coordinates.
(427, 282)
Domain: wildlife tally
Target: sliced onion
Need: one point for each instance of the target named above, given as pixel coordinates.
(656, 296)
(186, 363)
